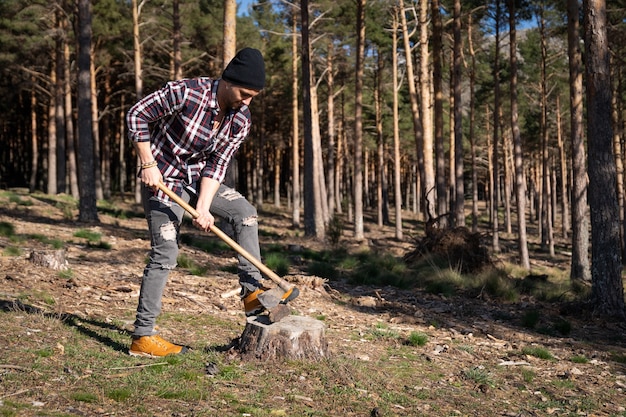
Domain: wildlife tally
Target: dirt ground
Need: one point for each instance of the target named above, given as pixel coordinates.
(105, 284)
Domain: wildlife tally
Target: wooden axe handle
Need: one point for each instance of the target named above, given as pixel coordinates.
(284, 285)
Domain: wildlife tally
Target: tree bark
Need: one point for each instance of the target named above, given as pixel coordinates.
(70, 144)
(311, 202)
(295, 129)
(518, 155)
(547, 234)
(34, 158)
(437, 77)
(292, 338)
(137, 58)
(459, 198)
(495, 198)
(472, 119)
(88, 211)
(382, 208)
(606, 262)
(418, 130)
(397, 184)
(52, 134)
(358, 121)
(580, 267)
(330, 103)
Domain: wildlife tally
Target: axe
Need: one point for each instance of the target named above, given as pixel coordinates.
(270, 298)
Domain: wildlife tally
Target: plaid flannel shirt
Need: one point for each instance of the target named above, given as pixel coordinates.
(178, 122)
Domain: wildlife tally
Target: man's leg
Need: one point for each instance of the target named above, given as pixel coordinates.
(164, 224)
(242, 216)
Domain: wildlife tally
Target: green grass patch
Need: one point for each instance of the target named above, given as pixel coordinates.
(12, 251)
(381, 332)
(7, 229)
(537, 352)
(84, 397)
(479, 375)
(89, 235)
(277, 262)
(528, 375)
(17, 199)
(191, 265)
(417, 339)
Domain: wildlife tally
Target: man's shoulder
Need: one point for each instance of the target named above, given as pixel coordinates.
(204, 83)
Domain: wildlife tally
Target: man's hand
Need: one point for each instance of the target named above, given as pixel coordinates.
(151, 176)
(204, 221)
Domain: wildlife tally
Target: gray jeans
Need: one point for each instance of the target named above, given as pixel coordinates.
(164, 221)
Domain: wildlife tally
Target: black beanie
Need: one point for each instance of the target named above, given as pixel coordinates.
(246, 69)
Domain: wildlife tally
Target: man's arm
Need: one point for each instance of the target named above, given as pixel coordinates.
(150, 176)
(208, 189)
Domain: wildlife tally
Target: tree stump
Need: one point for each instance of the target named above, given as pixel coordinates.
(294, 337)
(53, 259)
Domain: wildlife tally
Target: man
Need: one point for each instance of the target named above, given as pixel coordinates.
(185, 135)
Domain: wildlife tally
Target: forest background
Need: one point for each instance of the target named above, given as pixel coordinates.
(428, 106)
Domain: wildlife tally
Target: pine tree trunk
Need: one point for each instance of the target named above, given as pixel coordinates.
(70, 143)
(295, 132)
(580, 268)
(358, 122)
(93, 93)
(565, 215)
(547, 238)
(518, 154)
(52, 135)
(137, 58)
(177, 64)
(472, 119)
(437, 77)
(88, 211)
(331, 151)
(606, 264)
(59, 112)
(459, 198)
(397, 183)
(495, 242)
(425, 165)
(34, 160)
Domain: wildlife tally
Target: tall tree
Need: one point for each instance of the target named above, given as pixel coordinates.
(137, 58)
(88, 211)
(295, 126)
(495, 198)
(518, 156)
(397, 183)
(358, 120)
(418, 130)
(547, 234)
(580, 269)
(606, 262)
(459, 197)
(425, 151)
(437, 77)
(229, 51)
(313, 215)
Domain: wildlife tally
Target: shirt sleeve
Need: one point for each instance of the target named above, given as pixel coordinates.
(153, 107)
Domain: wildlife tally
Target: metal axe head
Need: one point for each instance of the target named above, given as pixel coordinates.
(271, 298)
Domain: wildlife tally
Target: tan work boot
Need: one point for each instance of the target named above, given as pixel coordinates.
(253, 306)
(154, 347)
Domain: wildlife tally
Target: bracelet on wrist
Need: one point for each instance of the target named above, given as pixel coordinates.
(149, 165)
